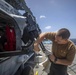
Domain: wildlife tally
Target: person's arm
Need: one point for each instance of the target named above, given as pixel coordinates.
(59, 61)
(48, 35)
(69, 58)
(38, 41)
(63, 62)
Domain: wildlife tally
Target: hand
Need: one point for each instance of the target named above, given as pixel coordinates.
(36, 47)
(52, 57)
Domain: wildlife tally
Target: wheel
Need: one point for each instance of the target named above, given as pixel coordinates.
(28, 70)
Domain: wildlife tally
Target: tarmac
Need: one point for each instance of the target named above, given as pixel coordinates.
(39, 69)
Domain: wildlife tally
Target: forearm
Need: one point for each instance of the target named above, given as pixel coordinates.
(63, 62)
(59, 61)
(40, 38)
(38, 41)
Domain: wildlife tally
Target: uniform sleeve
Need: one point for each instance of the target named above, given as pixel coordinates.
(71, 53)
(50, 36)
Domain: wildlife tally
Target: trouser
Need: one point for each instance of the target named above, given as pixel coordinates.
(57, 69)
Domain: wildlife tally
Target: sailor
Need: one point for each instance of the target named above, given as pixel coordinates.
(63, 50)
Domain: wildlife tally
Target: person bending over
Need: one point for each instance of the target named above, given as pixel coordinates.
(63, 50)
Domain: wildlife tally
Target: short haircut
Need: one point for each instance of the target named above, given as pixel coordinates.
(64, 33)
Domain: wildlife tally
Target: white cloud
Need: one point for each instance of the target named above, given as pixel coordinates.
(42, 16)
(48, 27)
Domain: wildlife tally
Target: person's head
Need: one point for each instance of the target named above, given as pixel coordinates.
(62, 36)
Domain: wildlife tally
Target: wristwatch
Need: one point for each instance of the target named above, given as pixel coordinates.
(55, 59)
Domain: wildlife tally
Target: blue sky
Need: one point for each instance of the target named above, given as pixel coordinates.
(52, 15)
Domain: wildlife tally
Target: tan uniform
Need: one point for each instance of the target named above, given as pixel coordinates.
(62, 51)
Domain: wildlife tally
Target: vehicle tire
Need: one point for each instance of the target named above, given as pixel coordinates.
(28, 70)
